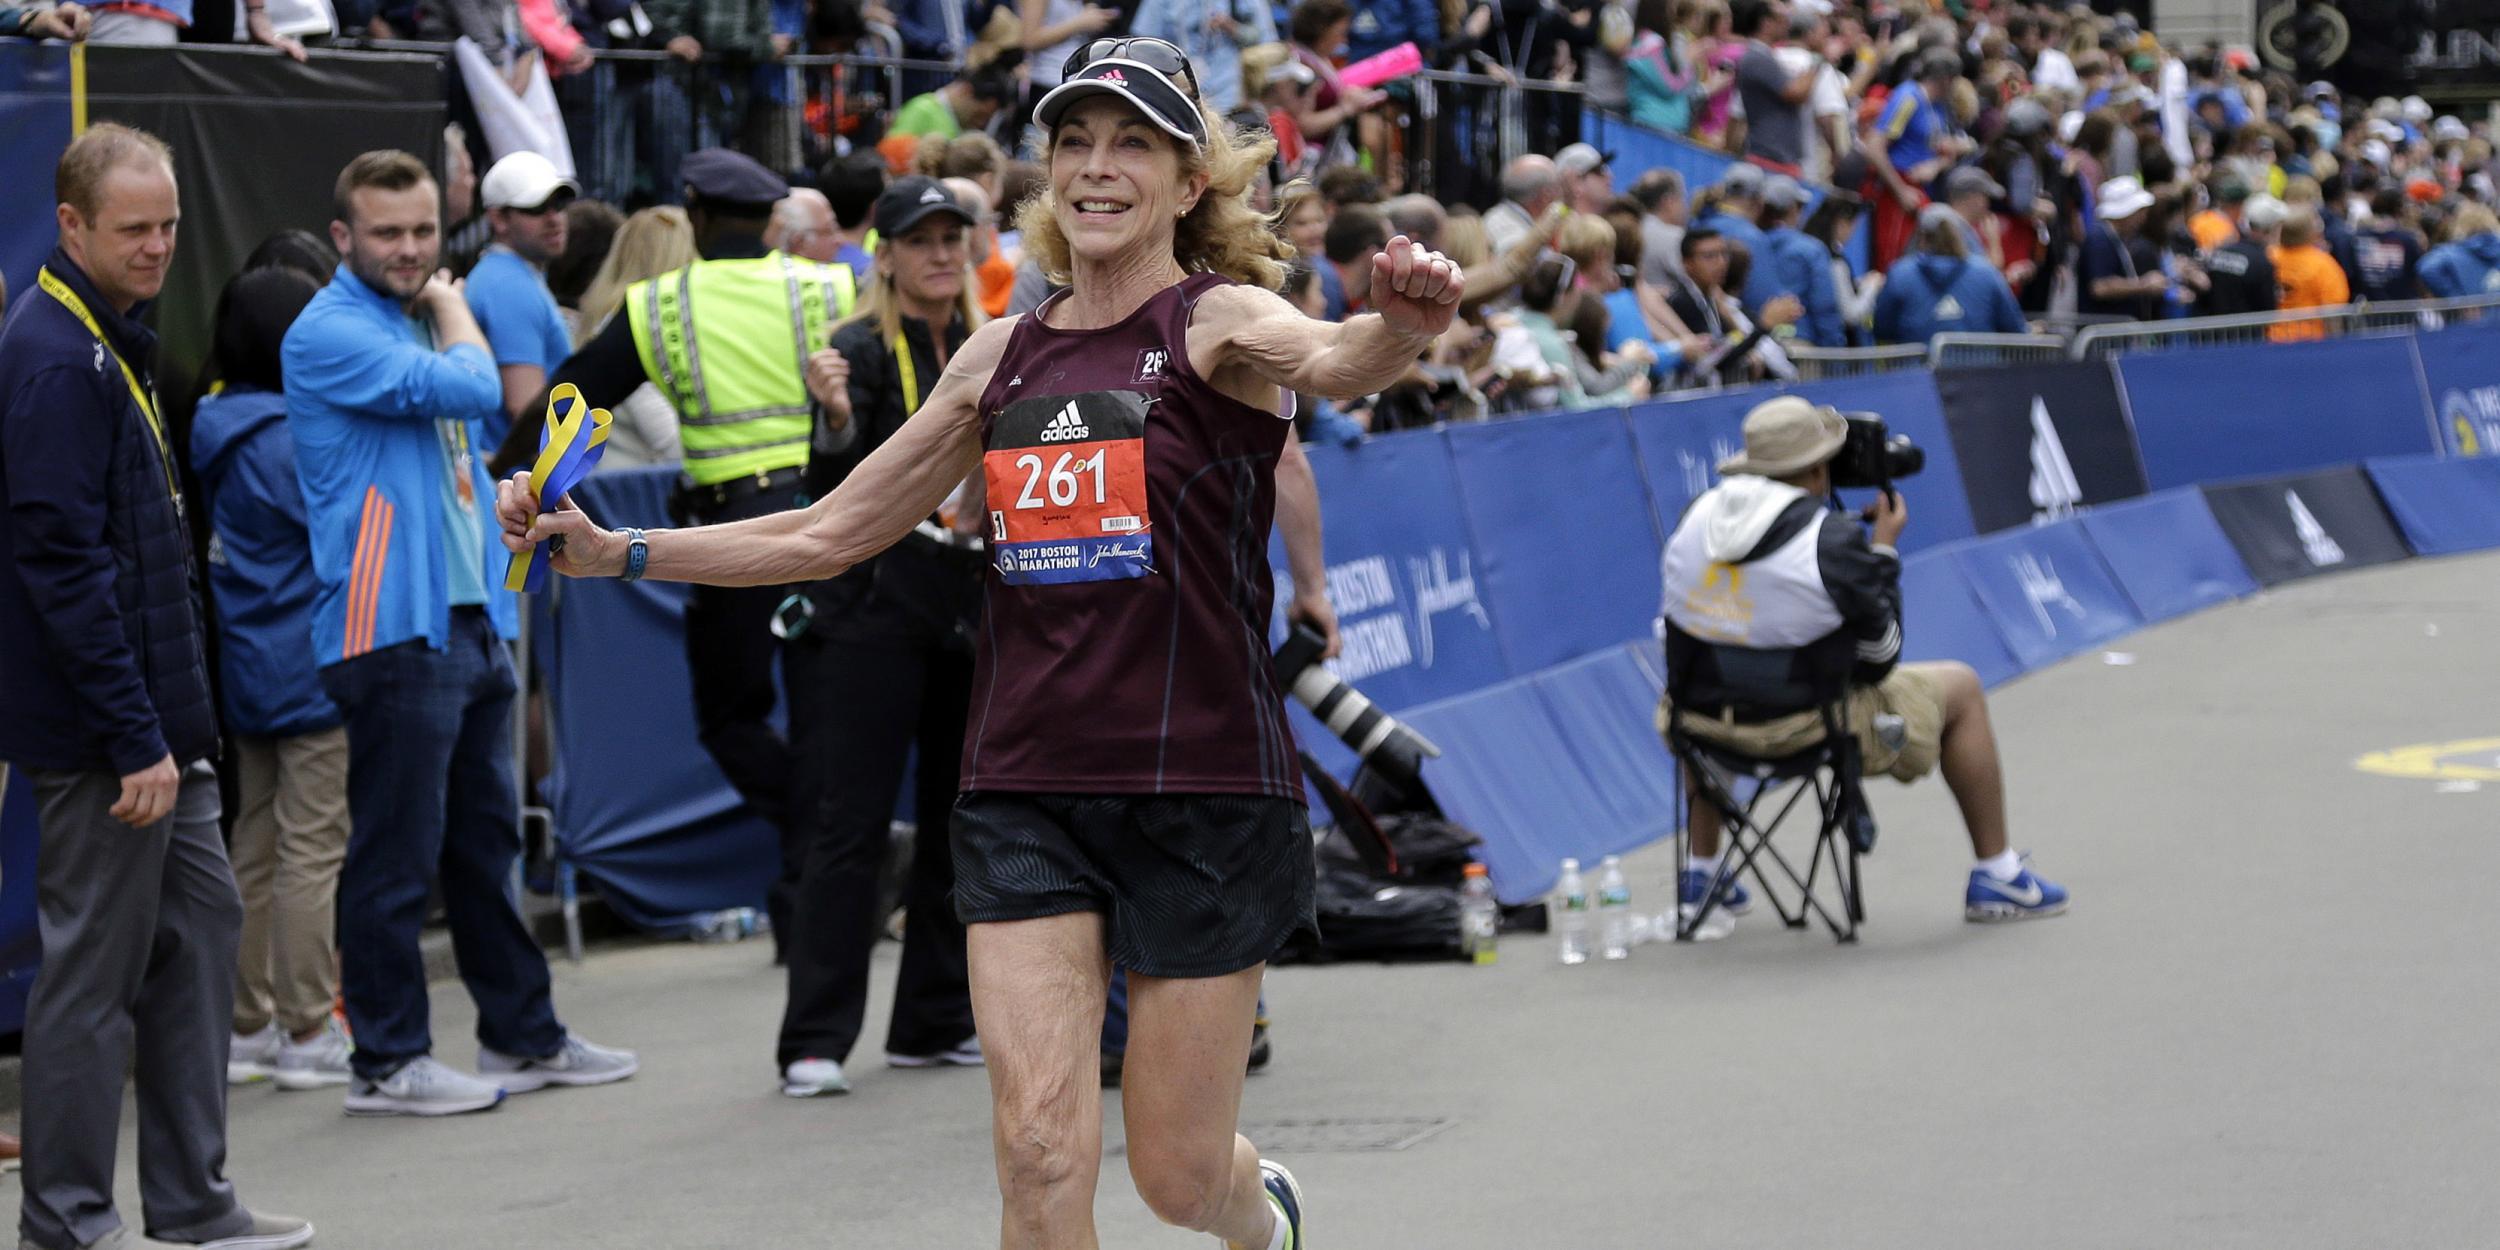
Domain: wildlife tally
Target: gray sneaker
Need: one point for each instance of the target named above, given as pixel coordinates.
(266, 1232)
(319, 1062)
(577, 1063)
(423, 1086)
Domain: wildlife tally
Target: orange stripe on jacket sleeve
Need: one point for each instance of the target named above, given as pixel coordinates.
(381, 561)
(356, 569)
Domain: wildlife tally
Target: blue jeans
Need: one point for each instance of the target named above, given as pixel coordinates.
(430, 790)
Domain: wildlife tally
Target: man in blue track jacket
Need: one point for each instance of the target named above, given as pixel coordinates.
(388, 380)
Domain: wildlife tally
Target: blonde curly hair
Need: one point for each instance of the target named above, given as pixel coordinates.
(1223, 234)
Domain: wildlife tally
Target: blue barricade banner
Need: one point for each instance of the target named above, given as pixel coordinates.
(1403, 573)
(2047, 590)
(2444, 506)
(1941, 619)
(21, 948)
(34, 117)
(2300, 526)
(1508, 773)
(2227, 412)
(1681, 441)
(2168, 553)
(1563, 521)
(639, 805)
(1680, 444)
(2038, 442)
(1606, 708)
(2461, 365)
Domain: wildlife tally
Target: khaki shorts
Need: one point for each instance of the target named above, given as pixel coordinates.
(1908, 693)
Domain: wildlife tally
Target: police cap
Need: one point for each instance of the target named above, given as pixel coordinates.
(720, 176)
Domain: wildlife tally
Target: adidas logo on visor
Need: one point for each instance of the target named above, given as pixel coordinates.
(1067, 427)
(1112, 75)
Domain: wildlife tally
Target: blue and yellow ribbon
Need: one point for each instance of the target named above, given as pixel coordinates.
(569, 447)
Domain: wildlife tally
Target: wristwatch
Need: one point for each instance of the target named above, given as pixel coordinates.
(637, 554)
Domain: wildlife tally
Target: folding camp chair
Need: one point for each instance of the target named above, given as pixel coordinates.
(1744, 787)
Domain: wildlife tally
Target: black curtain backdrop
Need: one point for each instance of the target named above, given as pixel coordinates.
(258, 143)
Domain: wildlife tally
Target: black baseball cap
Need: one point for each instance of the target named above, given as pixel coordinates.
(909, 201)
(1155, 92)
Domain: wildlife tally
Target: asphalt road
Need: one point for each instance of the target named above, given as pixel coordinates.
(2268, 1021)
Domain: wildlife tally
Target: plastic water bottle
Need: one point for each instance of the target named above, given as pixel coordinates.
(1614, 910)
(1571, 913)
(1479, 921)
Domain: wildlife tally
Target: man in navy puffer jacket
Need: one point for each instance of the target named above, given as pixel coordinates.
(108, 713)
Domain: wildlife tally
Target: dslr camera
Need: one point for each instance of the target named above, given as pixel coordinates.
(1873, 456)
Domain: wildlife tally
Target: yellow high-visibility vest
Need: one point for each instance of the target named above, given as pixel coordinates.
(727, 341)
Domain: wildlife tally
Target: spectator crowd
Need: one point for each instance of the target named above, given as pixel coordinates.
(1894, 170)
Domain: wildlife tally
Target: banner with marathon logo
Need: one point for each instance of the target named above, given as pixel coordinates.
(2461, 365)
(2039, 442)
(1067, 489)
(2288, 528)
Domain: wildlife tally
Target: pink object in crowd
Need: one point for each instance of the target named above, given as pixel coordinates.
(1374, 70)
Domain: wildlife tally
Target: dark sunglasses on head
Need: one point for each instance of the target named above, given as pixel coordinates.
(1159, 55)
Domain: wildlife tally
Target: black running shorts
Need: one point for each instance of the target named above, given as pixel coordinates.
(1187, 885)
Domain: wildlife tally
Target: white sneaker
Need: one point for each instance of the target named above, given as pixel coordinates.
(809, 1078)
(423, 1086)
(255, 1056)
(964, 1054)
(577, 1063)
(317, 1063)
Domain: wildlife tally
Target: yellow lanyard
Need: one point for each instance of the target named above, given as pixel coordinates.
(911, 377)
(139, 394)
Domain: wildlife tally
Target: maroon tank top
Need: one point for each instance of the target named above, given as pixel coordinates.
(1124, 649)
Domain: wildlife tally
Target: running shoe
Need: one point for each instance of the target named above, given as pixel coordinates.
(2029, 896)
(422, 1086)
(1287, 1198)
(964, 1054)
(812, 1078)
(575, 1063)
(1734, 898)
(254, 1056)
(317, 1063)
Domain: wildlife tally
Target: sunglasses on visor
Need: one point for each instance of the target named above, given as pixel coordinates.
(1159, 55)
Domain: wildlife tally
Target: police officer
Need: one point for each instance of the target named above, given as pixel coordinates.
(884, 664)
(727, 340)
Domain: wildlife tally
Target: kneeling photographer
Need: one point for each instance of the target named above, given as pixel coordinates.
(1766, 562)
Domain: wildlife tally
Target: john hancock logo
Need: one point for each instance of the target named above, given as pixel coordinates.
(1150, 363)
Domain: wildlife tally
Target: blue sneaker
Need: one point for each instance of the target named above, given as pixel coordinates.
(1734, 898)
(1282, 1191)
(2027, 897)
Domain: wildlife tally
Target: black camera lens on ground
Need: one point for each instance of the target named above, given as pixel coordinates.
(1386, 744)
(1874, 456)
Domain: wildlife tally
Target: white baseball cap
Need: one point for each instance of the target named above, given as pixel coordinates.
(524, 180)
(2124, 196)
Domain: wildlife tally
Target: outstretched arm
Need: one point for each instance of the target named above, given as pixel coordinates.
(1415, 290)
(902, 482)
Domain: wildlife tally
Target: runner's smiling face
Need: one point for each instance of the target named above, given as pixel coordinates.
(1116, 182)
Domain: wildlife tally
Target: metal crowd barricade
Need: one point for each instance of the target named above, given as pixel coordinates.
(1974, 351)
(1815, 364)
(2397, 317)
(2408, 316)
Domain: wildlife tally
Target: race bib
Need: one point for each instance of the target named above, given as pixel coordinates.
(1067, 489)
